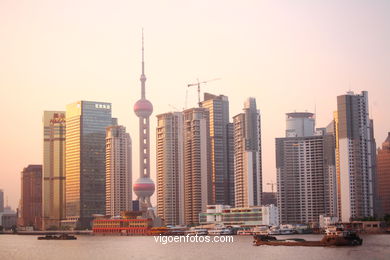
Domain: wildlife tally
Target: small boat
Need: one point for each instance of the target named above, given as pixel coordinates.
(274, 231)
(197, 232)
(58, 237)
(215, 232)
(345, 238)
(287, 231)
(244, 233)
(220, 232)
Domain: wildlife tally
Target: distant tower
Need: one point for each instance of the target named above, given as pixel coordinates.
(144, 186)
(1, 201)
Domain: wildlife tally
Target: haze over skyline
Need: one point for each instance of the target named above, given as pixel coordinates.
(290, 56)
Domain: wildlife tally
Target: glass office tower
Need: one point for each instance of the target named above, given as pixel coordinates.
(85, 160)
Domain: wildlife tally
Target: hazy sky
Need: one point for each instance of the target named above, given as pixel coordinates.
(289, 55)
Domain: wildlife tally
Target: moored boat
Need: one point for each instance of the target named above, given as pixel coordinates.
(58, 237)
(220, 232)
(197, 231)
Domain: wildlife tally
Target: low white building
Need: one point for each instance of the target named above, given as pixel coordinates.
(245, 216)
(270, 215)
(213, 214)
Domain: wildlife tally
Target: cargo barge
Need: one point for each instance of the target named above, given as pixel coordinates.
(333, 237)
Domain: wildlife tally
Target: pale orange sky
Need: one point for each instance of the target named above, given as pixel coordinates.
(289, 55)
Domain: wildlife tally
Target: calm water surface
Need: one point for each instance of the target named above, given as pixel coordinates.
(115, 247)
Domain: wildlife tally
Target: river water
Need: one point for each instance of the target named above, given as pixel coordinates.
(116, 247)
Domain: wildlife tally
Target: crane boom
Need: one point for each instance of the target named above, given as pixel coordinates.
(272, 184)
(198, 85)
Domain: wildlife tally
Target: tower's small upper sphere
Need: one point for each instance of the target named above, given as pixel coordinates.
(143, 108)
(144, 187)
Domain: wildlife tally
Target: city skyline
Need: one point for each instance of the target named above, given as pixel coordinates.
(331, 61)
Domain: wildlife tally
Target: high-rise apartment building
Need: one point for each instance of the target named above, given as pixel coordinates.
(355, 157)
(170, 168)
(383, 177)
(221, 149)
(53, 189)
(118, 171)
(31, 197)
(197, 164)
(305, 171)
(86, 124)
(247, 156)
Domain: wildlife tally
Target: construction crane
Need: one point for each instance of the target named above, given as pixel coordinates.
(198, 84)
(272, 185)
(175, 109)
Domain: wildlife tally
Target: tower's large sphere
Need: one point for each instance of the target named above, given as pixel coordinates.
(144, 187)
(143, 108)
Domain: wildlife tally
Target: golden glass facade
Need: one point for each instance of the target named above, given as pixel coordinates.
(53, 189)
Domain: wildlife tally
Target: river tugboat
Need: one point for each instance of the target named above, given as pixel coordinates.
(333, 237)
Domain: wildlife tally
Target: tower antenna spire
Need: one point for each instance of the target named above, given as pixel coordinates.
(143, 77)
(143, 66)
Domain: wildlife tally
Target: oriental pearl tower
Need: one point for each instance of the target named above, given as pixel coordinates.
(144, 186)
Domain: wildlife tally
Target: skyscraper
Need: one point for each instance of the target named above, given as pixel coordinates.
(170, 171)
(356, 157)
(144, 186)
(1, 201)
(247, 156)
(221, 152)
(31, 197)
(305, 171)
(197, 164)
(383, 177)
(86, 124)
(53, 189)
(118, 171)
